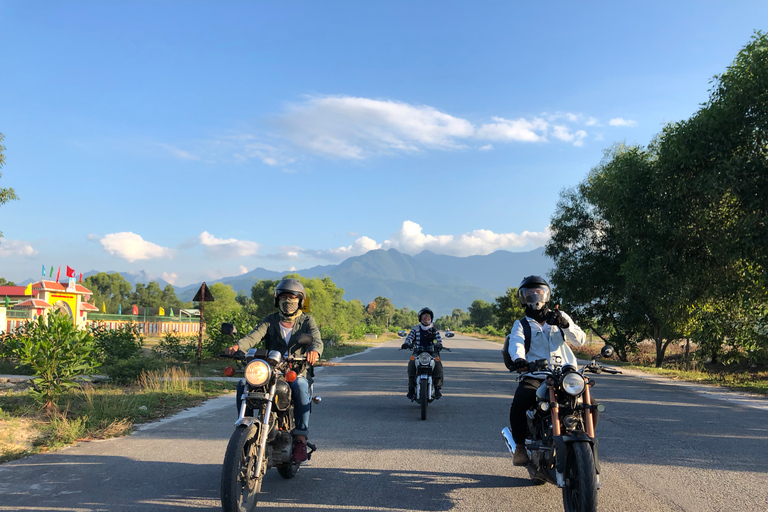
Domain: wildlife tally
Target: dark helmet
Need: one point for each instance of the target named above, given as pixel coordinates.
(529, 286)
(293, 286)
(426, 310)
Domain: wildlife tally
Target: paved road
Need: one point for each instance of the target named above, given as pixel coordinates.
(664, 447)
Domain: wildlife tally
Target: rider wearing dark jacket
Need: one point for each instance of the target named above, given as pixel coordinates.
(282, 331)
(424, 335)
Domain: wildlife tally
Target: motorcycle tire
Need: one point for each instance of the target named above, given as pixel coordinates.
(289, 471)
(424, 398)
(580, 491)
(240, 480)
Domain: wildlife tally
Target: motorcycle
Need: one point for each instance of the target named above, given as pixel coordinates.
(262, 437)
(425, 359)
(561, 442)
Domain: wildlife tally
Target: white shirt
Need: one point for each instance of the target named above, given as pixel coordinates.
(547, 342)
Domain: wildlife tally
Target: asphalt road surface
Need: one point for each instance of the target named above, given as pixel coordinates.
(663, 447)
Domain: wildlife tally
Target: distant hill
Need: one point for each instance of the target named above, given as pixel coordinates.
(442, 282)
(427, 279)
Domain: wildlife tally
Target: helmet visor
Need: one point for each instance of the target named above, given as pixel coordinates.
(536, 297)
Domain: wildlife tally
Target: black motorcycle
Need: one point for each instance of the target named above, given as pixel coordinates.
(425, 358)
(561, 442)
(262, 438)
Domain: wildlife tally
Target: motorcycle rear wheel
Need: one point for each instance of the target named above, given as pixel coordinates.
(580, 491)
(424, 397)
(240, 480)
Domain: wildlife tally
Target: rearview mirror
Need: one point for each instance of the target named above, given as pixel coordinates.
(607, 351)
(448, 334)
(227, 328)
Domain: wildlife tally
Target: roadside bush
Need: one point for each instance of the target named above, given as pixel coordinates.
(176, 348)
(329, 335)
(58, 353)
(128, 371)
(117, 344)
(491, 331)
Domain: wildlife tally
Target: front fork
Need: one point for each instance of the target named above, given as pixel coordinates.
(265, 423)
(419, 378)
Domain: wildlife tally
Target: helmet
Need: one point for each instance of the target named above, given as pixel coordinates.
(293, 286)
(534, 291)
(428, 311)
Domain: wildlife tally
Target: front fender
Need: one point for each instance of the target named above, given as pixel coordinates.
(562, 442)
(246, 421)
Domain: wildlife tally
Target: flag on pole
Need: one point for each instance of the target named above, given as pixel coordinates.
(161, 312)
(81, 277)
(119, 309)
(7, 302)
(43, 270)
(51, 272)
(103, 307)
(135, 310)
(70, 272)
(171, 313)
(58, 274)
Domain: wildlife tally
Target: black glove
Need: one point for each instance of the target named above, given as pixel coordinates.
(519, 364)
(556, 318)
(404, 346)
(439, 346)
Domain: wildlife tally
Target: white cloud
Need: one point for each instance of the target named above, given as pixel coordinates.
(487, 147)
(179, 153)
(563, 133)
(618, 121)
(411, 240)
(132, 247)
(229, 248)
(171, 277)
(521, 130)
(16, 248)
(242, 270)
(356, 128)
(592, 122)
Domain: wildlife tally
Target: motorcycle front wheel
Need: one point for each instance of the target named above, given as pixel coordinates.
(580, 491)
(424, 397)
(240, 479)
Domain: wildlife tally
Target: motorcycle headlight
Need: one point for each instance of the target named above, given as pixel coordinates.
(257, 372)
(424, 358)
(573, 383)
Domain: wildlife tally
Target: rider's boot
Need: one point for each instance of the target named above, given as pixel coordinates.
(438, 394)
(520, 457)
(299, 451)
(411, 393)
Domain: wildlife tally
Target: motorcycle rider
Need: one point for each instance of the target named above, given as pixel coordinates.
(281, 331)
(550, 330)
(424, 335)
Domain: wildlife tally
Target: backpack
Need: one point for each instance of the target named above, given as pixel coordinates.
(505, 351)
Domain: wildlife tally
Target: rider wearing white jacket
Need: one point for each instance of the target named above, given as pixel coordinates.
(550, 330)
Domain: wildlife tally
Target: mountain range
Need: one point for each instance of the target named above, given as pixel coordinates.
(426, 279)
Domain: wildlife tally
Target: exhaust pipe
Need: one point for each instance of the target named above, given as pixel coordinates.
(505, 432)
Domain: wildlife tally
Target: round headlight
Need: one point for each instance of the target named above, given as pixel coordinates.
(257, 372)
(573, 383)
(424, 358)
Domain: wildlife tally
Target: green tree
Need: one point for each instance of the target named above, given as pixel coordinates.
(507, 309)
(148, 296)
(58, 353)
(481, 313)
(4, 282)
(382, 311)
(225, 302)
(6, 194)
(112, 290)
(404, 318)
(170, 300)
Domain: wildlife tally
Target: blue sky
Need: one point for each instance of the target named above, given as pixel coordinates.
(197, 140)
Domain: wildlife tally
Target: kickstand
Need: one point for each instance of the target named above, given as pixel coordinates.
(311, 450)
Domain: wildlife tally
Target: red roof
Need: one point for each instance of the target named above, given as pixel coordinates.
(13, 291)
(33, 303)
(58, 287)
(87, 306)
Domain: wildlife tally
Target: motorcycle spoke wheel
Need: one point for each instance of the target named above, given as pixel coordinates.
(580, 491)
(424, 398)
(240, 479)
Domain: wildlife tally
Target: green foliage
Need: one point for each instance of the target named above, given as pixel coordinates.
(113, 345)
(111, 290)
(507, 309)
(404, 318)
(58, 353)
(128, 371)
(215, 342)
(4, 282)
(151, 296)
(663, 242)
(329, 335)
(225, 302)
(176, 348)
(481, 313)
